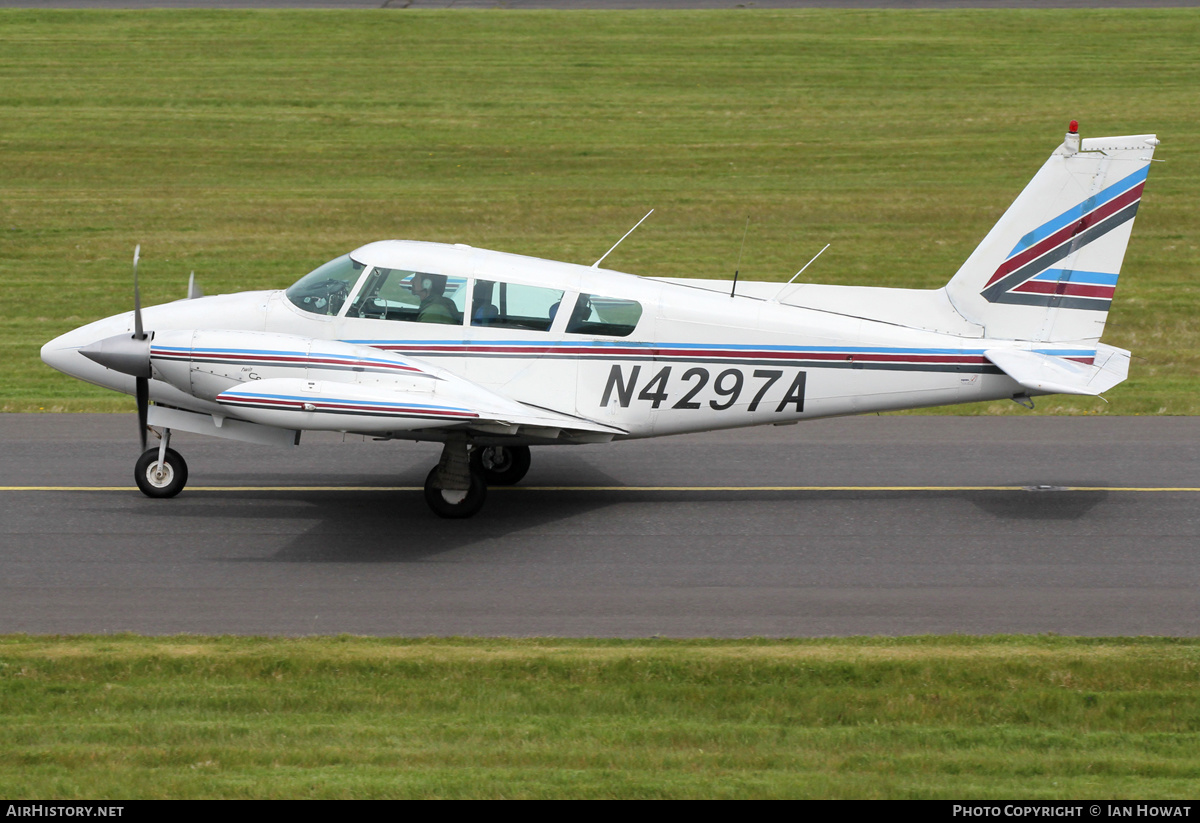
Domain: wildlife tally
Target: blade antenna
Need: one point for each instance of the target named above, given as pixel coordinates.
(775, 299)
(596, 265)
(738, 267)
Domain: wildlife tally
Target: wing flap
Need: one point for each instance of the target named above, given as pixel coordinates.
(1052, 374)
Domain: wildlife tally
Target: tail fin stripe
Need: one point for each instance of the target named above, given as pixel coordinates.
(1004, 291)
(1063, 301)
(1066, 287)
(1071, 215)
(1123, 206)
(1095, 278)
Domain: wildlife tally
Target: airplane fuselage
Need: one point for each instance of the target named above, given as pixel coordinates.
(696, 360)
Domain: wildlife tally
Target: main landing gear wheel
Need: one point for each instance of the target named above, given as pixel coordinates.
(167, 482)
(501, 465)
(455, 504)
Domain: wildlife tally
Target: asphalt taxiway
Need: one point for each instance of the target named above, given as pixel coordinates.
(875, 525)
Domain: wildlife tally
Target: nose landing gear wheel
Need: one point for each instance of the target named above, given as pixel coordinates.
(451, 503)
(501, 465)
(167, 482)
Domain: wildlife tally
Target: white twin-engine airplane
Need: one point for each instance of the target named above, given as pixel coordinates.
(491, 353)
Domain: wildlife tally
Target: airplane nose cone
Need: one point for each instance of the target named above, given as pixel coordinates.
(57, 355)
(121, 352)
(63, 353)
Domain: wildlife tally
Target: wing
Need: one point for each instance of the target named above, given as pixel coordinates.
(454, 403)
(295, 383)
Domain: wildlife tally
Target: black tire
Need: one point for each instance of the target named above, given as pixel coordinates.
(174, 476)
(467, 507)
(501, 465)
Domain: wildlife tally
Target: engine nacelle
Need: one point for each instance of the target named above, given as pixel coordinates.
(205, 363)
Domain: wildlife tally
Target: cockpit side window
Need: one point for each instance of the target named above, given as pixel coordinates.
(324, 290)
(514, 306)
(396, 294)
(608, 316)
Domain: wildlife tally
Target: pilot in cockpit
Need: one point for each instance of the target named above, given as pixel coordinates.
(435, 306)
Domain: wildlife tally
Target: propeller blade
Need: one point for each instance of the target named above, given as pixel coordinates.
(141, 383)
(143, 407)
(137, 299)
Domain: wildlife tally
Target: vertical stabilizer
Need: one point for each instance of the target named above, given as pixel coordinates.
(1047, 271)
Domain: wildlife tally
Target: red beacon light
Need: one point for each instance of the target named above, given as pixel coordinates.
(1073, 128)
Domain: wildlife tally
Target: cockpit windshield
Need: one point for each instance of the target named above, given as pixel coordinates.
(325, 289)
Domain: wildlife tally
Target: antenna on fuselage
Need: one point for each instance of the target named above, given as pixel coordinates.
(738, 267)
(596, 265)
(775, 299)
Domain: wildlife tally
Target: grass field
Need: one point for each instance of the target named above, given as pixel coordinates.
(252, 146)
(955, 718)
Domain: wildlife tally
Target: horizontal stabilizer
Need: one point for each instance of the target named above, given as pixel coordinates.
(1050, 374)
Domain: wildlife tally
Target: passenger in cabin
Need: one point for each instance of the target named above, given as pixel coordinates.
(483, 312)
(580, 314)
(435, 306)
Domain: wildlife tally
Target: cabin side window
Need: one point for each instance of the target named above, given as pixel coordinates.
(419, 297)
(513, 306)
(607, 316)
(324, 290)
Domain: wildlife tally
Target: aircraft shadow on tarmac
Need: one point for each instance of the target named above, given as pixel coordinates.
(390, 526)
(1040, 502)
(383, 526)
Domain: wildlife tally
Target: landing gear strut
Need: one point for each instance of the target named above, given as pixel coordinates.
(453, 489)
(161, 472)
